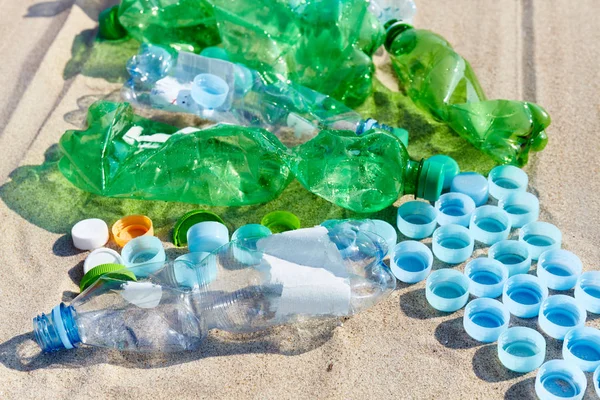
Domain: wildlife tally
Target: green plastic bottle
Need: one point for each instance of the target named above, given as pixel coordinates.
(123, 155)
(443, 83)
(365, 173)
(187, 25)
(325, 45)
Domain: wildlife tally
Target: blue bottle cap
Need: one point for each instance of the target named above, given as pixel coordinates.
(143, 255)
(560, 379)
(506, 179)
(207, 236)
(451, 168)
(416, 219)
(523, 295)
(191, 272)
(540, 237)
(473, 185)
(522, 208)
(596, 379)
(513, 254)
(582, 347)
(559, 269)
(587, 291)
(447, 290)
(489, 224)
(559, 314)
(454, 208)
(250, 231)
(209, 90)
(452, 243)
(411, 261)
(486, 277)
(485, 319)
(386, 231)
(521, 349)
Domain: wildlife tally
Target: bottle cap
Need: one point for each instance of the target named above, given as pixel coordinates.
(416, 219)
(131, 227)
(209, 90)
(280, 221)
(539, 237)
(489, 224)
(431, 181)
(523, 295)
(522, 208)
(109, 26)
(485, 319)
(486, 277)
(449, 166)
(89, 234)
(215, 52)
(559, 269)
(411, 261)
(101, 256)
(185, 222)
(559, 314)
(386, 231)
(190, 270)
(473, 185)
(454, 208)
(560, 379)
(596, 379)
(250, 231)
(207, 236)
(452, 243)
(582, 347)
(144, 255)
(115, 271)
(513, 254)
(447, 290)
(587, 291)
(521, 349)
(506, 179)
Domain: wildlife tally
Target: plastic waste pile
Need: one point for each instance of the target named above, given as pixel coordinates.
(279, 81)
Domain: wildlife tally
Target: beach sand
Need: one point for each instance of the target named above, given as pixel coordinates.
(535, 50)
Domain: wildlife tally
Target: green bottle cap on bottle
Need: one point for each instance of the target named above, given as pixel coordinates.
(116, 271)
(109, 26)
(431, 180)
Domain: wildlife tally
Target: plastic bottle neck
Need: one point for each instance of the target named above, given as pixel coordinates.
(411, 181)
(393, 29)
(57, 330)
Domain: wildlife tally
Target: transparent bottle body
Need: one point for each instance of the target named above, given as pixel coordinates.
(244, 286)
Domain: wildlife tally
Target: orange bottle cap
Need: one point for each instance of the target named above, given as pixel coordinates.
(130, 227)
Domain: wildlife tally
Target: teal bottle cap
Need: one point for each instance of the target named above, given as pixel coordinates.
(473, 185)
(207, 236)
(490, 224)
(506, 179)
(521, 349)
(280, 221)
(209, 91)
(513, 254)
(486, 277)
(485, 319)
(539, 237)
(450, 166)
(144, 255)
(416, 219)
(559, 269)
(250, 231)
(560, 379)
(411, 261)
(559, 314)
(454, 208)
(596, 379)
(452, 243)
(109, 26)
(431, 180)
(447, 290)
(523, 294)
(522, 208)
(582, 347)
(587, 291)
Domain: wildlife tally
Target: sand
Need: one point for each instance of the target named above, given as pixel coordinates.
(533, 50)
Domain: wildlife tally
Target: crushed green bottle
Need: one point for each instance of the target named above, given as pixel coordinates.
(124, 155)
(442, 82)
(187, 25)
(364, 173)
(325, 45)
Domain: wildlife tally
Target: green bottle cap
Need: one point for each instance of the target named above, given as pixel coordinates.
(109, 26)
(431, 180)
(451, 168)
(190, 219)
(280, 221)
(116, 271)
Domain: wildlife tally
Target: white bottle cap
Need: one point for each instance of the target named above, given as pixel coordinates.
(101, 256)
(89, 234)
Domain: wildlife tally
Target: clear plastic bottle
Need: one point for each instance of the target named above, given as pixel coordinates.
(244, 286)
(213, 88)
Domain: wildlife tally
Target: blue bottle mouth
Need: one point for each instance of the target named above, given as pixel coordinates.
(56, 330)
